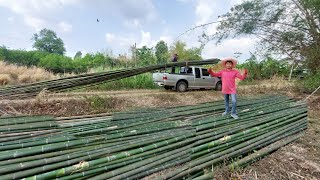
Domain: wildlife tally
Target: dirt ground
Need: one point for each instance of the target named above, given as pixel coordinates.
(298, 160)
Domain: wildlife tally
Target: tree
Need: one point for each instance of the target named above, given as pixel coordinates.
(21, 57)
(48, 41)
(3, 52)
(193, 54)
(98, 60)
(184, 53)
(284, 27)
(145, 56)
(162, 52)
(80, 65)
(57, 63)
(78, 55)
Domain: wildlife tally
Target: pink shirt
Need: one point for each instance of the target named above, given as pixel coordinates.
(228, 78)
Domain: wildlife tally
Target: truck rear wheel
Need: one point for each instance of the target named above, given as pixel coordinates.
(182, 86)
(219, 86)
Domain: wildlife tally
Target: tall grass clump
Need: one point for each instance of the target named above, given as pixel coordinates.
(11, 74)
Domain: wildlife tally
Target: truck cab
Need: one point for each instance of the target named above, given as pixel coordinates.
(188, 77)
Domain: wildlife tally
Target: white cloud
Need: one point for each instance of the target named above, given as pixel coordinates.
(41, 12)
(145, 39)
(35, 7)
(132, 23)
(132, 13)
(144, 10)
(11, 19)
(204, 11)
(207, 11)
(230, 46)
(167, 39)
(36, 13)
(17, 40)
(35, 22)
(110, 37)
(122, 43)
(184, 1)
(65, 27)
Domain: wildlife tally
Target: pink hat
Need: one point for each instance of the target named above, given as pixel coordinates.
(224, 60)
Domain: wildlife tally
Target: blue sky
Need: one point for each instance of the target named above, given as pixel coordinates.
(121, 24)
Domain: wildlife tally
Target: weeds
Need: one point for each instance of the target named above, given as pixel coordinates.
(167, 98)
(103, 103)
(309, 83)
(142, 81)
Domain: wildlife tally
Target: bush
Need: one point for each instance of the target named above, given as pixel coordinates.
(142, 81)
(265, 69)
(57, 63)
(309, 83)
(21, 57)
(103, 103)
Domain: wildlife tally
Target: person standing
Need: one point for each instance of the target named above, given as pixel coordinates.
(174, 59)
(228, 77)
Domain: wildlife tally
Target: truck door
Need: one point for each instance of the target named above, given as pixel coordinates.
(198, 81)
(208, 81)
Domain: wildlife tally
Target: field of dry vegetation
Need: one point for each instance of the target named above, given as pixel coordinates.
(12, 74)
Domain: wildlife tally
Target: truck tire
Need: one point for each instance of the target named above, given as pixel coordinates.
(219, 86)
(167, 87)
(182, 86)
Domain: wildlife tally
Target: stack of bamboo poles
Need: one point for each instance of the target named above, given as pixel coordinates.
(80, 81)
(142, 142)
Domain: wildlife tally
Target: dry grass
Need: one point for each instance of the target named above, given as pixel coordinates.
(12, 74)
(4, 79)
(276, 84)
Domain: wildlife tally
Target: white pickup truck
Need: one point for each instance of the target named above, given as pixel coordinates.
(187, 78)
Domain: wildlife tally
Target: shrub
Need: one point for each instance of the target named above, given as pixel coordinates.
(142, 81)
(309, 83)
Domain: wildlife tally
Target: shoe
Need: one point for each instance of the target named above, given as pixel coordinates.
(235, 116)
(224, 114)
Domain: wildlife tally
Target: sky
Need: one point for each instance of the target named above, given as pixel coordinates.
(122, 23)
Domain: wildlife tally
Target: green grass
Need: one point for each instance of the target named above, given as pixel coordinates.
(249, 82)
(142, 81)
(309, 83)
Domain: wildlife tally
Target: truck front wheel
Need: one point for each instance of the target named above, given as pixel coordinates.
(219, 86)
(182, 86)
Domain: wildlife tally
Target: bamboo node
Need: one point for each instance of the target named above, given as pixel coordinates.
(225, 138)
(245, 110)
(80, 166)
(112, 127)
